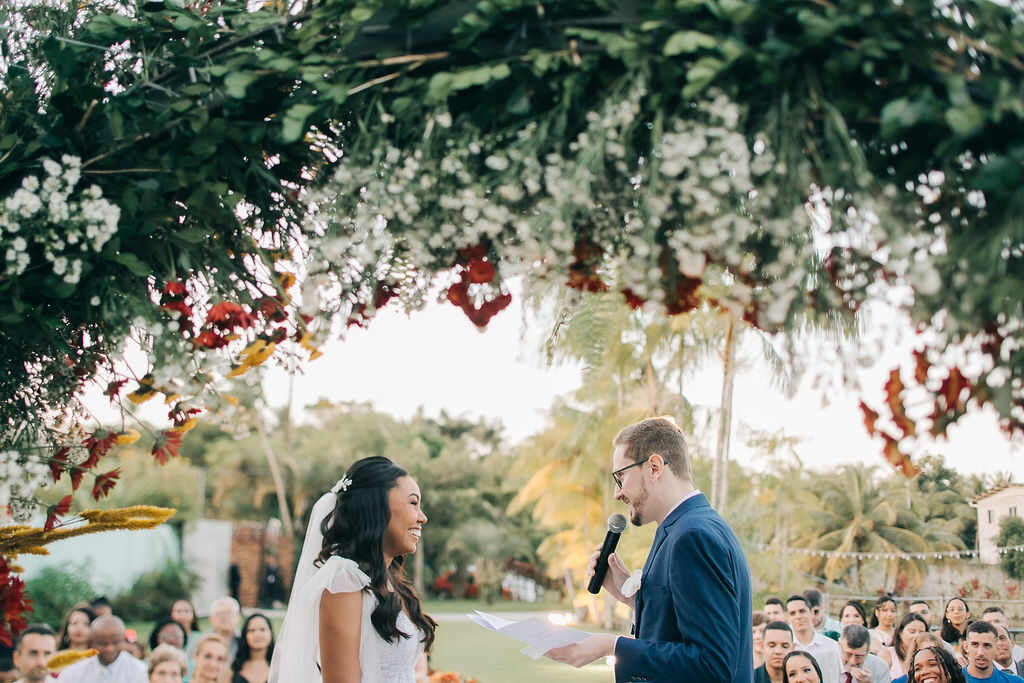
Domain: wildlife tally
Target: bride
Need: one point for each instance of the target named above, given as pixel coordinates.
(353, 614)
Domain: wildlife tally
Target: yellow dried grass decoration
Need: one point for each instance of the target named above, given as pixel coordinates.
(67, 658)
(22, 539)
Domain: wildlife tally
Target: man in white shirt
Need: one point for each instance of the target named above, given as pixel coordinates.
(824, 649)
(859, 666)
(112, 664)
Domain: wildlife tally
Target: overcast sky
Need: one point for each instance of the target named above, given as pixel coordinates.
(436, 359)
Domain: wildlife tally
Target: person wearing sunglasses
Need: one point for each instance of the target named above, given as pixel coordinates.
(692, 607)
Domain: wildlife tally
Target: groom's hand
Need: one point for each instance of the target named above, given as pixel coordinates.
(613, 580)
(586, 651)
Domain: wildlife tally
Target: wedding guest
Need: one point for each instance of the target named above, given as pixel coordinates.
(911, 626)
(225, 614)
(955, 618)
(935, 665)
(853, 613)
(1003, 657)
(980, 640)
(801, 667)
(183, 612)
(33, 647)
(169, 632)
(805, 638)
(111, 664)
(255, 649)
(921, 607)
(924, 640)
(774, 609)
(859, 665)
(101, 607)
(823, 623)
(883, 620)
(167, 664)
(211, 659)
(759, 622)
(778, 642)
(996, 615)
(74, 631)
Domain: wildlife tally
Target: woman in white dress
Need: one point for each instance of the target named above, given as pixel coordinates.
(353, 616)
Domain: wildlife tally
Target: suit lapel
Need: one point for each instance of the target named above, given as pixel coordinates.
(660, 535)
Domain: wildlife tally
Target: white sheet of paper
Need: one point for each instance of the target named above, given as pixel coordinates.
(538, 633)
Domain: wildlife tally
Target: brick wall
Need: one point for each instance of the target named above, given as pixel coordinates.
(250, 541)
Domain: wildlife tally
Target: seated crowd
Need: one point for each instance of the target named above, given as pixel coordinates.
(796, 641)
(176, 650)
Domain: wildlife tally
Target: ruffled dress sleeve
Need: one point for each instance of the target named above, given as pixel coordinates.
(297, 652)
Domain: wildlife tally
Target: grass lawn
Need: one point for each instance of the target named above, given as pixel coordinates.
(472, 650)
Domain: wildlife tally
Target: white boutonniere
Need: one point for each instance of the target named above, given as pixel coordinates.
(631, 585)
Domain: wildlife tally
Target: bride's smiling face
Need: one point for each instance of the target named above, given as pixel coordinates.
(407, 519)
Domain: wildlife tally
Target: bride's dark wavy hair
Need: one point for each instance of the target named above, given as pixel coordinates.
(355, 530)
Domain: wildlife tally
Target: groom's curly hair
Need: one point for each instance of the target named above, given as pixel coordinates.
(355, 530)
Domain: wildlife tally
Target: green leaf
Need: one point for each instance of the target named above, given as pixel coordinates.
(133, 263)
(738, 11)
(443, 84)
(700, 75)
(966, 120)
(688, 41)
(236, 83)
(903, 113)
(294, 122)
(361, 14)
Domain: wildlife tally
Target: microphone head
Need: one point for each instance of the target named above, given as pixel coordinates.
(617, 523)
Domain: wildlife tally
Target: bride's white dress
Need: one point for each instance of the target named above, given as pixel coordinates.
(380, 661)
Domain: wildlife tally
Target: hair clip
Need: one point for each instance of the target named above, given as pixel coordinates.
(343, 485)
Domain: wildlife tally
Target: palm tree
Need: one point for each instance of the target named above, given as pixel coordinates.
(855, 512)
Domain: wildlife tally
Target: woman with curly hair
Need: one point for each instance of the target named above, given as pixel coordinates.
(350, 589)
(934, 665)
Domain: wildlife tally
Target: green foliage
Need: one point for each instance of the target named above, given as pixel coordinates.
(55, 590)
(1011, 533)
(151, 595)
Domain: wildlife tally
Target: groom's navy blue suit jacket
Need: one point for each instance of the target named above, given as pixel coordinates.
(693, 610)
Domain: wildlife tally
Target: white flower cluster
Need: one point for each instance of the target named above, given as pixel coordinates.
(20, 477)
(703, 193)
(63, 224)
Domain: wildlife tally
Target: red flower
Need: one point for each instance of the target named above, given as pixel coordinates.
(105, 482)
(99, 444)
(114, 388)
(175, 288)
(58, 462)
(76, 474)
(166, 446)
(632, 300)
(14, 604)
(272, 308)
(870, 417)
(60, 508)
(228, 315)
(210, 340)
(481, 271)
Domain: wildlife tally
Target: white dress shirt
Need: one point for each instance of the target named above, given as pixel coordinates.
(826, 653)
(124, 669)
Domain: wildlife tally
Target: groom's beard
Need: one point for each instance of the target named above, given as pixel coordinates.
(635, 507)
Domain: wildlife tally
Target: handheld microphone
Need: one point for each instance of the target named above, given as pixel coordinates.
(616, 525)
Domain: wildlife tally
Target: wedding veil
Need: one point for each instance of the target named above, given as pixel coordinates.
(294, 658)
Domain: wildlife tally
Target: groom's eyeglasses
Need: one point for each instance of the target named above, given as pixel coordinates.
(617, 474)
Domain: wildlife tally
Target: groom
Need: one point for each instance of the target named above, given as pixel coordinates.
(693, 609)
